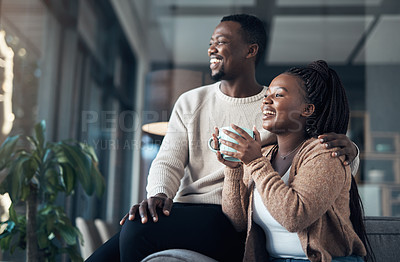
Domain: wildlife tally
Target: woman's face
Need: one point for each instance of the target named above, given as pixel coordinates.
(284, 108)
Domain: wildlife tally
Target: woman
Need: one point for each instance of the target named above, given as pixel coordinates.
(293, 198)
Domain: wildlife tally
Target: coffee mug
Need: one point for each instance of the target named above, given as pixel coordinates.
(223, 147)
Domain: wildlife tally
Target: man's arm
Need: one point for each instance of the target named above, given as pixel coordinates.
(165, 172)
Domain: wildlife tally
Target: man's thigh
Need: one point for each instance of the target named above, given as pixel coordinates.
(198, 227)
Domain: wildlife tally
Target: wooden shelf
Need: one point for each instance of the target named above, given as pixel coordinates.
(381, 153)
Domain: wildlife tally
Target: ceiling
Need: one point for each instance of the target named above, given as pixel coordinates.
(339, 31)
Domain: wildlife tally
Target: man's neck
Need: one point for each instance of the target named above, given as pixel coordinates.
(240, 89)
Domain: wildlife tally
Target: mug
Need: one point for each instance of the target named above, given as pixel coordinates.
(223, 147)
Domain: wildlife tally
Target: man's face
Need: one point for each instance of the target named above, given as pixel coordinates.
(227, 51)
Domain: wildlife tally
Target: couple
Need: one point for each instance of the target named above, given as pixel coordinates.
(188, 172)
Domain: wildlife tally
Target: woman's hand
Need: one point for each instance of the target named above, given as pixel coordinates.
(228, 163)
(247, 148)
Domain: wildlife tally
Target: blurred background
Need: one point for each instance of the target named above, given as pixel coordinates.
(98, 70)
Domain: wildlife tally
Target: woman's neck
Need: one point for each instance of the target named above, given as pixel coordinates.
(288, 146)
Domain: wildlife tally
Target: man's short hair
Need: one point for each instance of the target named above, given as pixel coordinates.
(254, 31)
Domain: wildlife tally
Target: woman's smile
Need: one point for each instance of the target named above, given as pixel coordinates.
(268, 114)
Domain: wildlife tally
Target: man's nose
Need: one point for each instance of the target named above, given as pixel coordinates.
(211, 49)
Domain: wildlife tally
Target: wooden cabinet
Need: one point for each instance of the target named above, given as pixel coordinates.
(379, 173)
(380, 166)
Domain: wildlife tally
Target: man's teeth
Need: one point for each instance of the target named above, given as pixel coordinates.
(214, 60)
(268, 112)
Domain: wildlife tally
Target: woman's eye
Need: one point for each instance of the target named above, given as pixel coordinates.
(278, 95)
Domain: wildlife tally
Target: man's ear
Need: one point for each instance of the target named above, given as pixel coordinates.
(308, 110)
(252, 51)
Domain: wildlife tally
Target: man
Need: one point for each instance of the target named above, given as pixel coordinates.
(186, 170)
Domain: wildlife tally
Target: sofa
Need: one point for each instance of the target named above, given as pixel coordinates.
(383, 234)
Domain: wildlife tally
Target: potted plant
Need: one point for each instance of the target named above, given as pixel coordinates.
(35, 176)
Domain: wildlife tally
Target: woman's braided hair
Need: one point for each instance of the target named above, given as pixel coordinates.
(325, 90)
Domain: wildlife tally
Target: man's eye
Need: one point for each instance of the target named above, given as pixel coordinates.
(278, 95)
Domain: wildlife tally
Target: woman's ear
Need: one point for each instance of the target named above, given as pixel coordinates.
(253, 50)
(308, 110)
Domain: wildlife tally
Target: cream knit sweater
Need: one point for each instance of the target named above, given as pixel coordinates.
(185, 168)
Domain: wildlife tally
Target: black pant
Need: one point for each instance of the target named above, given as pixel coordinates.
(198, 227)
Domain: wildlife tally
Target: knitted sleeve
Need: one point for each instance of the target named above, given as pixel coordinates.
(168, 167)
(235, 198)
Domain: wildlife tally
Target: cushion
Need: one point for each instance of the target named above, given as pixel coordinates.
(384, 236)
(177, 255)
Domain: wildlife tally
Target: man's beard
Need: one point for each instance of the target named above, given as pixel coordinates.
(218, 76)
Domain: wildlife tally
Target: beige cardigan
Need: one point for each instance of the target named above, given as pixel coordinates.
(315, 204)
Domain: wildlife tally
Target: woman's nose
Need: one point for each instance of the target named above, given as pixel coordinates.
(267, 100)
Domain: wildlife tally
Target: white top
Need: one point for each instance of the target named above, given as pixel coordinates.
(280, 243)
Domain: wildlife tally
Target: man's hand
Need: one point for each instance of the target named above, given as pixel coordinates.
(150, 204)
(346, 146)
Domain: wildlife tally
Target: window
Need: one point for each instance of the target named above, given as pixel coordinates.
(358, 38)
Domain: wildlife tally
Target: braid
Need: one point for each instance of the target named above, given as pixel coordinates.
(325, 90)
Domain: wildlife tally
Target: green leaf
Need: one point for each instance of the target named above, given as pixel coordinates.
(24, 192)
(31, 167)
(21, 174)
(43, 241)
(40, 131)
(33, 141)
(60, 155)
(7, 150)
(98, 180)
(5, 242)
(13, 215)
(90, 151)
(68, 234)
(16, 178)
(81, 165)
(47, 158)
(69, 178)
(50, 182)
